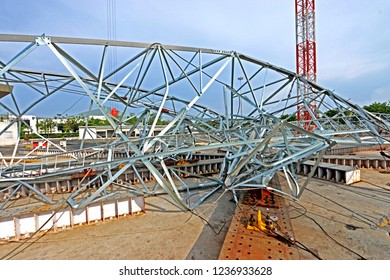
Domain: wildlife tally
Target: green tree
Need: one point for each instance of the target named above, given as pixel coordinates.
(25, 130)
(332, 112)
(46, 125)
(72, 124)
(97, 122)
(289, 116)
(159, 121)
(378, 107)
(132, 119)
(68, 125)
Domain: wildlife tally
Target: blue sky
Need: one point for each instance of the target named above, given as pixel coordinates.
(353, 36)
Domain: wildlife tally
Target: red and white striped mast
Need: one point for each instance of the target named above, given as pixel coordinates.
(306, 58)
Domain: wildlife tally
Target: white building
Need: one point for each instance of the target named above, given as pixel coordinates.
(31, 121)
(95, 132)
(96, 114)
(35, 124)
(10, 135)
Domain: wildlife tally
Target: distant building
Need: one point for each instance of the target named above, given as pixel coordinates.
(10, 135)
(29, 120)
(96, 114)
(96, 132)
(32, 121)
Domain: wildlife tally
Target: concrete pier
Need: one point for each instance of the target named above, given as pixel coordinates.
(208, 164)
(331, 172)
(358, 161)
(22, 222)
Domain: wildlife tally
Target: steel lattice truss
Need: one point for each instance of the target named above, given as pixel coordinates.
(211, 101)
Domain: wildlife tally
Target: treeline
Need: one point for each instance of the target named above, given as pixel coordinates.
(376, 107)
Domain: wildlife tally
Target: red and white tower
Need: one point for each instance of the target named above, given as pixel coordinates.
(306, 58)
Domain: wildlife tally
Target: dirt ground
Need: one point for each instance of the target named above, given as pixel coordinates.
(163, 233)
(333, 221)
(345, 222)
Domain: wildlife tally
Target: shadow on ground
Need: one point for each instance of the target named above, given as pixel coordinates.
(210, 241)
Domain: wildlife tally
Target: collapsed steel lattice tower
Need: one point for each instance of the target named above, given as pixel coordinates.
(211, 101)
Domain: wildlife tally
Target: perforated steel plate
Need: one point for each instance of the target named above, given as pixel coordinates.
(243, 244)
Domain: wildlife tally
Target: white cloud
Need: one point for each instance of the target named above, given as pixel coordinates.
(352, 42)
(381, 94)
(352, 35)
(347, 66)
